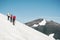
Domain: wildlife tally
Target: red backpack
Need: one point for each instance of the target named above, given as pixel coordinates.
(14, 17)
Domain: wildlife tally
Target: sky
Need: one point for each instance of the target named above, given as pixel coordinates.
(28, 10)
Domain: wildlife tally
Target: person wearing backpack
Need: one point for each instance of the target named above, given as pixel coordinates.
(8, 16)
(14, 18)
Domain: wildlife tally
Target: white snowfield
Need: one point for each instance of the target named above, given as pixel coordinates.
(19, 32)
(35, 25)
(43, 22)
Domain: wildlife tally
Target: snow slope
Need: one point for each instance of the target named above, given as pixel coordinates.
(19, 32)
(35, 25)
(43, 22)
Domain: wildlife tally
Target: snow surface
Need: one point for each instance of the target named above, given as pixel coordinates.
(43, 22)
(35, 25)
(51, 35)
(19, 32)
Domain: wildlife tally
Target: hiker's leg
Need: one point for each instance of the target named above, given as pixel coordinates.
(8, 17)
(13, 21)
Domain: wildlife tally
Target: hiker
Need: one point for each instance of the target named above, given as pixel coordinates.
(8, 15)
(11, 18)
(14, 18)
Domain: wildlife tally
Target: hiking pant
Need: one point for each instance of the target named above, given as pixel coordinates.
(13, 21)
(8, 17)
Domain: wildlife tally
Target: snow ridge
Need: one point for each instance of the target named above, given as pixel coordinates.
(43, 22)
(19, 32)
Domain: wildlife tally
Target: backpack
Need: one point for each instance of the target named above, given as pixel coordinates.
(14, 17)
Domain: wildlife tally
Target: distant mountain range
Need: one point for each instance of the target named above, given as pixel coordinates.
(49, 27)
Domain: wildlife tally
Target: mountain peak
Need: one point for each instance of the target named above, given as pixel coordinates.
(46, 27)
(43, 22)
(31, 23)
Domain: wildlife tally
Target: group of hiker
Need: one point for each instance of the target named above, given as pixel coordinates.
(11, 18)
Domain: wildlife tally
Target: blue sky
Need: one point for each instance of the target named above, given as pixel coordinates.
(27, 10)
